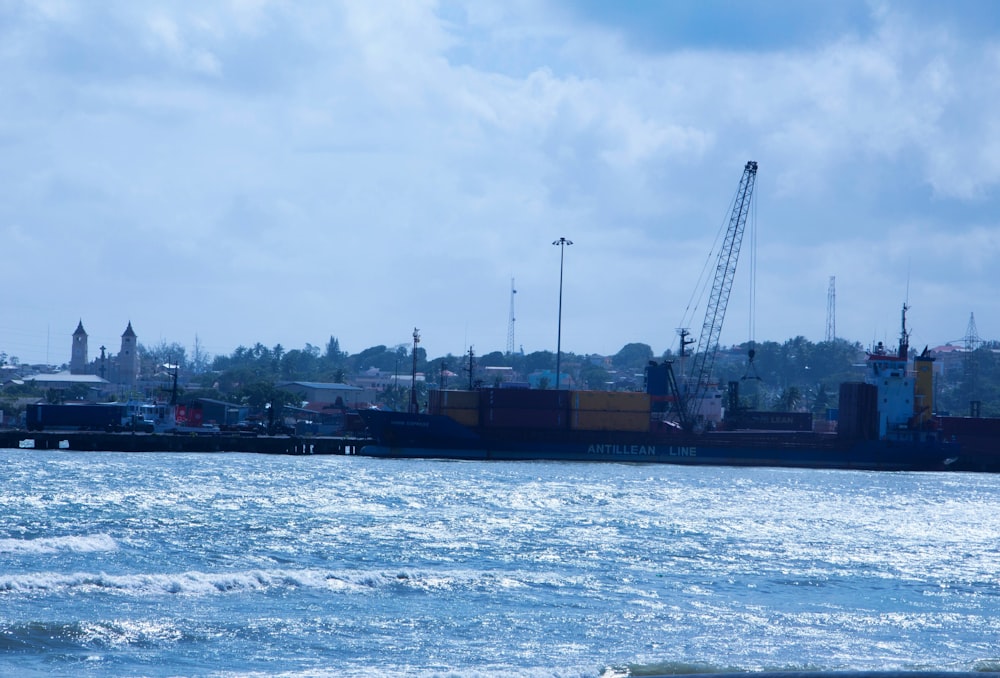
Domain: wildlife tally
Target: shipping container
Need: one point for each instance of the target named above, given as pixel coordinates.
(509, 417)
(770, 421)
(592, 420)
(83, 417)
(524, 399)
(438, 400)
(858, 411)
(610, 401)
(466, 416)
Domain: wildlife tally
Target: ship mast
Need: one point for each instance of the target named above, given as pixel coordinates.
(904, 337)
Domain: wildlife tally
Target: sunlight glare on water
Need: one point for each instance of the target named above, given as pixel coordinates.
(233, 564)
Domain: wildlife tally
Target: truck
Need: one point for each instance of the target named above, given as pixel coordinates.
(108, 417)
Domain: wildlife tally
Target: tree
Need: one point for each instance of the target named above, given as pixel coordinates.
(789, 399)
(333, 354)
(633, 356)
(261, 394)
(155, 359)
(595, 377)
(375, 356)
(199, 359)
(539, 360)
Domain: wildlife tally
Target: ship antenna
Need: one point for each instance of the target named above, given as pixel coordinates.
(470, 367)
(904, 335)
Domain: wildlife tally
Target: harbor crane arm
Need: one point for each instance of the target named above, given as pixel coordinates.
(715, 312)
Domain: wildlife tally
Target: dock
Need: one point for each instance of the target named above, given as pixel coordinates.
(87, 441)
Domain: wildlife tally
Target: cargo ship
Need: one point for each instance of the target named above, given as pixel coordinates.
(885, 424)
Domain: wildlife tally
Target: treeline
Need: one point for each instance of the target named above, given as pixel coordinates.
(794, 375)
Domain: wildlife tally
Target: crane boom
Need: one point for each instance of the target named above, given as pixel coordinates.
(715, 312)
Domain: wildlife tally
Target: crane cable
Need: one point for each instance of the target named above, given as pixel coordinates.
(751, 371)
(700, 290)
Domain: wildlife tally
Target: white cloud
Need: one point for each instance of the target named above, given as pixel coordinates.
(356, 169)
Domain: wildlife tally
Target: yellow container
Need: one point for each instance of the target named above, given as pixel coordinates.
(610, 401)
(463, 415)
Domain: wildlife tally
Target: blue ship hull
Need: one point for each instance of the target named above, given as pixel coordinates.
(402, 435)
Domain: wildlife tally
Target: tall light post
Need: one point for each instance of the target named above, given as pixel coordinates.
(413, 378)
(561, 242)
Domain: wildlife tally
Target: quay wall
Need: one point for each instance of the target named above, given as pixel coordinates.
(165, 442)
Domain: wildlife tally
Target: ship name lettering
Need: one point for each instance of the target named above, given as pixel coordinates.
(622, 449)
(683, 451)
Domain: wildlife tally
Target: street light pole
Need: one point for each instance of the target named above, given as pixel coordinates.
(413, 378)
(561, 242)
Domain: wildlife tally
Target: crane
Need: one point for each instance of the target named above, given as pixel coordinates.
(715, 312)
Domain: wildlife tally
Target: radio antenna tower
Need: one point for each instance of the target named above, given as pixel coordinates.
(510, 321)
(831, 310)
(972, 342)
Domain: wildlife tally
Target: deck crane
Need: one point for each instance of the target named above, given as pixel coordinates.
(715, 312)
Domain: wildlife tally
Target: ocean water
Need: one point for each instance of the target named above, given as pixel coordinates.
(233, 564)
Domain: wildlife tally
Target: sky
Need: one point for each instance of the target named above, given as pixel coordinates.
(243, 171)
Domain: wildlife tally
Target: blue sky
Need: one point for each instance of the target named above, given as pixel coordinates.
(283, 172)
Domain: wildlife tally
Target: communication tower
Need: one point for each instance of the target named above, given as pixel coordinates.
(831, 310)
(971, 366)
(510, 321)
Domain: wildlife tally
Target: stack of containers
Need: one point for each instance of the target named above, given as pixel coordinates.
(858, 409)
(609, 411)
(524, 408)
(462, 406)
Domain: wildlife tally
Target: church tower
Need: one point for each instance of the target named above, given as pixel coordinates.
(78, 356)
(128, 358)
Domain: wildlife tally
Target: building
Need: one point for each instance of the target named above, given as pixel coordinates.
(63, 381)
(340, 395)
(78, 356)
(121, 369)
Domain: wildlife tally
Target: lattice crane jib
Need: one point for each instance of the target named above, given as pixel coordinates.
(725, 272)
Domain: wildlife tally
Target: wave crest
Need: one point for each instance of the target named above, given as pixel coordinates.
(86, 543)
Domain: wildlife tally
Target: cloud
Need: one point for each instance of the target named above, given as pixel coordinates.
(283, 172)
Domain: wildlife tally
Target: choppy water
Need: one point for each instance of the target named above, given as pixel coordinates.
(233, 564)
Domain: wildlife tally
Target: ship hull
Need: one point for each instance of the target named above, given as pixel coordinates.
(401, 435)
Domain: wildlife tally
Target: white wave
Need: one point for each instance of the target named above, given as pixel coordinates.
(194, 583)
(87, 543)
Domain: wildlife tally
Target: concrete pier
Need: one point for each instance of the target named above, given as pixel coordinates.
(165, 442)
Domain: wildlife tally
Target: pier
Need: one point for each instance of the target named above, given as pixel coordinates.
(166, 442)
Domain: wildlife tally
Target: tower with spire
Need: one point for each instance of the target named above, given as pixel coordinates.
(78, 356)
(128, 357)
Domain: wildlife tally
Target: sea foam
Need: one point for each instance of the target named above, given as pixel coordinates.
(86, 543)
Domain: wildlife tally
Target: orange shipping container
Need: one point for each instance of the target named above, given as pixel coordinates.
(441, 400)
